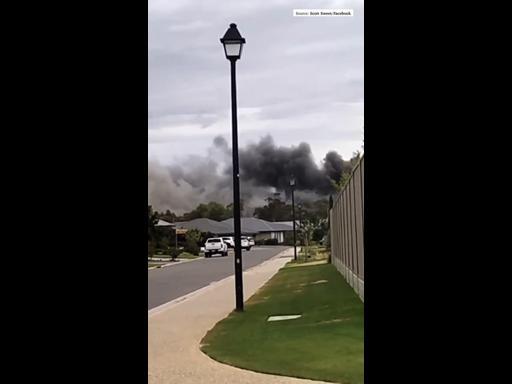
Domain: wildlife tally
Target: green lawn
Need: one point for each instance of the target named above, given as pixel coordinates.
(186, 255)
(314, 252)
(326, 343)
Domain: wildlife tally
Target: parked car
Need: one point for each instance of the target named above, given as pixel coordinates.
(251, 241)
(215, 245)
(230, 241)
(245, 243)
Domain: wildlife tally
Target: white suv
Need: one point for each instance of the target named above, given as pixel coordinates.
(215, 245)
(245, 243)
(229, 241)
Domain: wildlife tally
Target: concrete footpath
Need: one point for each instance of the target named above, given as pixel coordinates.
(176, 329)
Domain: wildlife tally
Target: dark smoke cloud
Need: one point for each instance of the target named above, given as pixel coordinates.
(265, 164)
(334, 165)
(221, 143)
(264, 170)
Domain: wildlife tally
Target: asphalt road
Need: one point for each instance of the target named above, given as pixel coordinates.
(166, 284)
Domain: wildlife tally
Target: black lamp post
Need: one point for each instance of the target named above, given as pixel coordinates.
(292, 185)
(299, 206)
(233, 43)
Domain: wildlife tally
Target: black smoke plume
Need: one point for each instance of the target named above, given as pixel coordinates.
(264, 169)
(265, 164)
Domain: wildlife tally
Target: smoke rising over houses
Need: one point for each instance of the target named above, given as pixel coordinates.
(265, 168)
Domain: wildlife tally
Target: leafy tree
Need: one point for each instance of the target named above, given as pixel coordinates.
(174, 253)
(318, 233)
(212, 210)
(168, 216)
(152, 232)
(205, 236)
(229, 207)
(274, 210)
(192, 239)
(307, 228)
(347, 173)
(313, 210)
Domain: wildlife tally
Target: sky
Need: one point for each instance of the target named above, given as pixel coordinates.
(300, 79)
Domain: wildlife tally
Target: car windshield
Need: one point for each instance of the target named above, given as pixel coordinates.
(214, 241)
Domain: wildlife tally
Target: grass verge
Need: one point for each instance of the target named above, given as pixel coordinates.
(326, 343)
(313, 253)
(186, 255)
(155, 264)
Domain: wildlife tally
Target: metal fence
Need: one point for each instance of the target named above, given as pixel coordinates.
(347, 230)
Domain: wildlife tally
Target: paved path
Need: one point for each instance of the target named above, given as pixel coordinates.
(174, 334)
(166, 284)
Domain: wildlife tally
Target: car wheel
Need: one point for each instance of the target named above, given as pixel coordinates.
(206, 255)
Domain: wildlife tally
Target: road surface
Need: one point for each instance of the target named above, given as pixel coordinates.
(166, 284)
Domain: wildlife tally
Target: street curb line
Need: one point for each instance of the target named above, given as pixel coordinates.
(171, 264)
(163, 307)
(180, 262)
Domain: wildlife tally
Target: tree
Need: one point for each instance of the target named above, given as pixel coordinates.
(192, 238)
(152, 232)
(212, 210)
(314, 210)
(345, 177)
(275, 210)
(356, 156)
(307, 228)
(217, 211)
(168, 216)
(347, 173)
(318, 233)
(229, 208)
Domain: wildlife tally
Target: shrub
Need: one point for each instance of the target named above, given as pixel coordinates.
(151, 248)
(289, 242)
(271, 242)
(192, 247)
(193, 237)
(174, 252)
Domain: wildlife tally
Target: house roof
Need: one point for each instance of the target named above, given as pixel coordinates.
(282, 226)
(205, 225)
(163, 223)
(255, 225)
(285, 225)
(249, 225)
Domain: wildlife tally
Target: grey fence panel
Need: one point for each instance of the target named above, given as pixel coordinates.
(358, 206)
(347, 230)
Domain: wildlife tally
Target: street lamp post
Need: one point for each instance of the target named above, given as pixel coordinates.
(292, 185)
(233, 43)
(299, 207)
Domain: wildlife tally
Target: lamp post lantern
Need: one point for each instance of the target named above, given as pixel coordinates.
(292, 185)
(233, 43)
